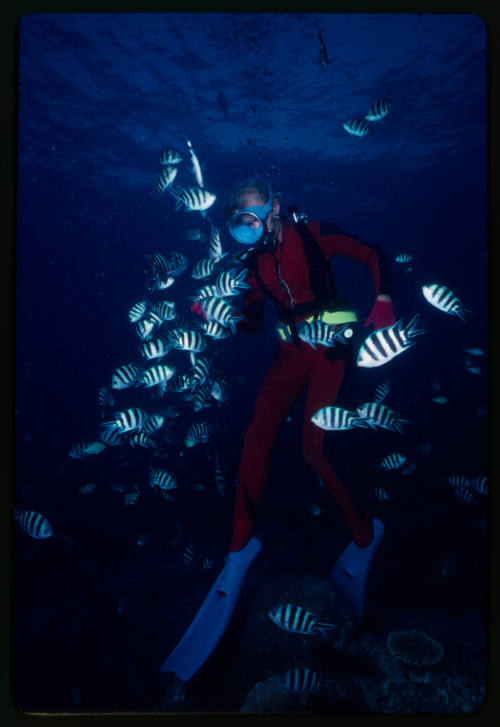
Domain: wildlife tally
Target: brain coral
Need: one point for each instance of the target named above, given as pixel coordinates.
(414, 648)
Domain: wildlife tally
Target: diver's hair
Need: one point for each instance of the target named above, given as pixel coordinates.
(252, 184)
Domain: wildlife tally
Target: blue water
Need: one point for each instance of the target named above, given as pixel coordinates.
(99, 97)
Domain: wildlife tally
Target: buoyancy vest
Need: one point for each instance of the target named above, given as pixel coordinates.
(321, 282)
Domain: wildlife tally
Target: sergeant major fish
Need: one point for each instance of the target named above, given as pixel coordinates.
(391, 461)
(215, 330)
(203, 268)
(170, 156)
(215, 246)
(379, 109)
(137, 311)
(298, 620)
(85, 449)
(381, 391)
(357, 127)
(334, 418)
(198, 433)
(161, 479)
(301, 679)
(125, 376)
(379, 415)
(164, 180)
(195, 164)
(33, 523)
(445, 300)
(384, 344)
(325, 334)
(194, 199)
(323, 53)
(217, 309)
(128, 420)
(230, 282)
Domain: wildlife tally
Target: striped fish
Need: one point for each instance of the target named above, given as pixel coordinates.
(141, 439)
(203, 268)
(215, 245)
(179, 383)
(200, 370)
(217, 309)
(465, 494)
(298, 620)
(381, 391)
(195, 164)
(111, 437)
(137, 311)
(157, 376)
(379, 109)
(230, 283)
(404, 258)
(85, 449)
(383, 345)
(220, 480)
(219, 392)
(187, 340)
(159, 283)
(128, 420)
(301, 679)
(165, 310)
(357, 127)
(215, 330)
(207, 563)
(161, 479)
(445, 300)
(170, 156)
(145, 328)
(325, 334)
(201, 397)
(380, 494)
(33, 523)
(104, 398)
(334, 418)
(157, 348)
(391, 461)
(162, 267)
(378, 415)
(458, 481)
(208, 291)
(164, 180)
(194, 199)
(198, 433)
(188, 555)
(194, 233)
(154, 423)
(479, 484)
(125, 376)
(177, 263)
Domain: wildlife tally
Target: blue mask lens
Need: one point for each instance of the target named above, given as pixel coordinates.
(245, 234)
(246, 226)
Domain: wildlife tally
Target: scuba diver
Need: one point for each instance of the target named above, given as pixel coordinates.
(288, 261)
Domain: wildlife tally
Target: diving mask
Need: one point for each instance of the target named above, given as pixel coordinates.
(246, 225)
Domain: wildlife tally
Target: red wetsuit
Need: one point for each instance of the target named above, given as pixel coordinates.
(292, 369)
